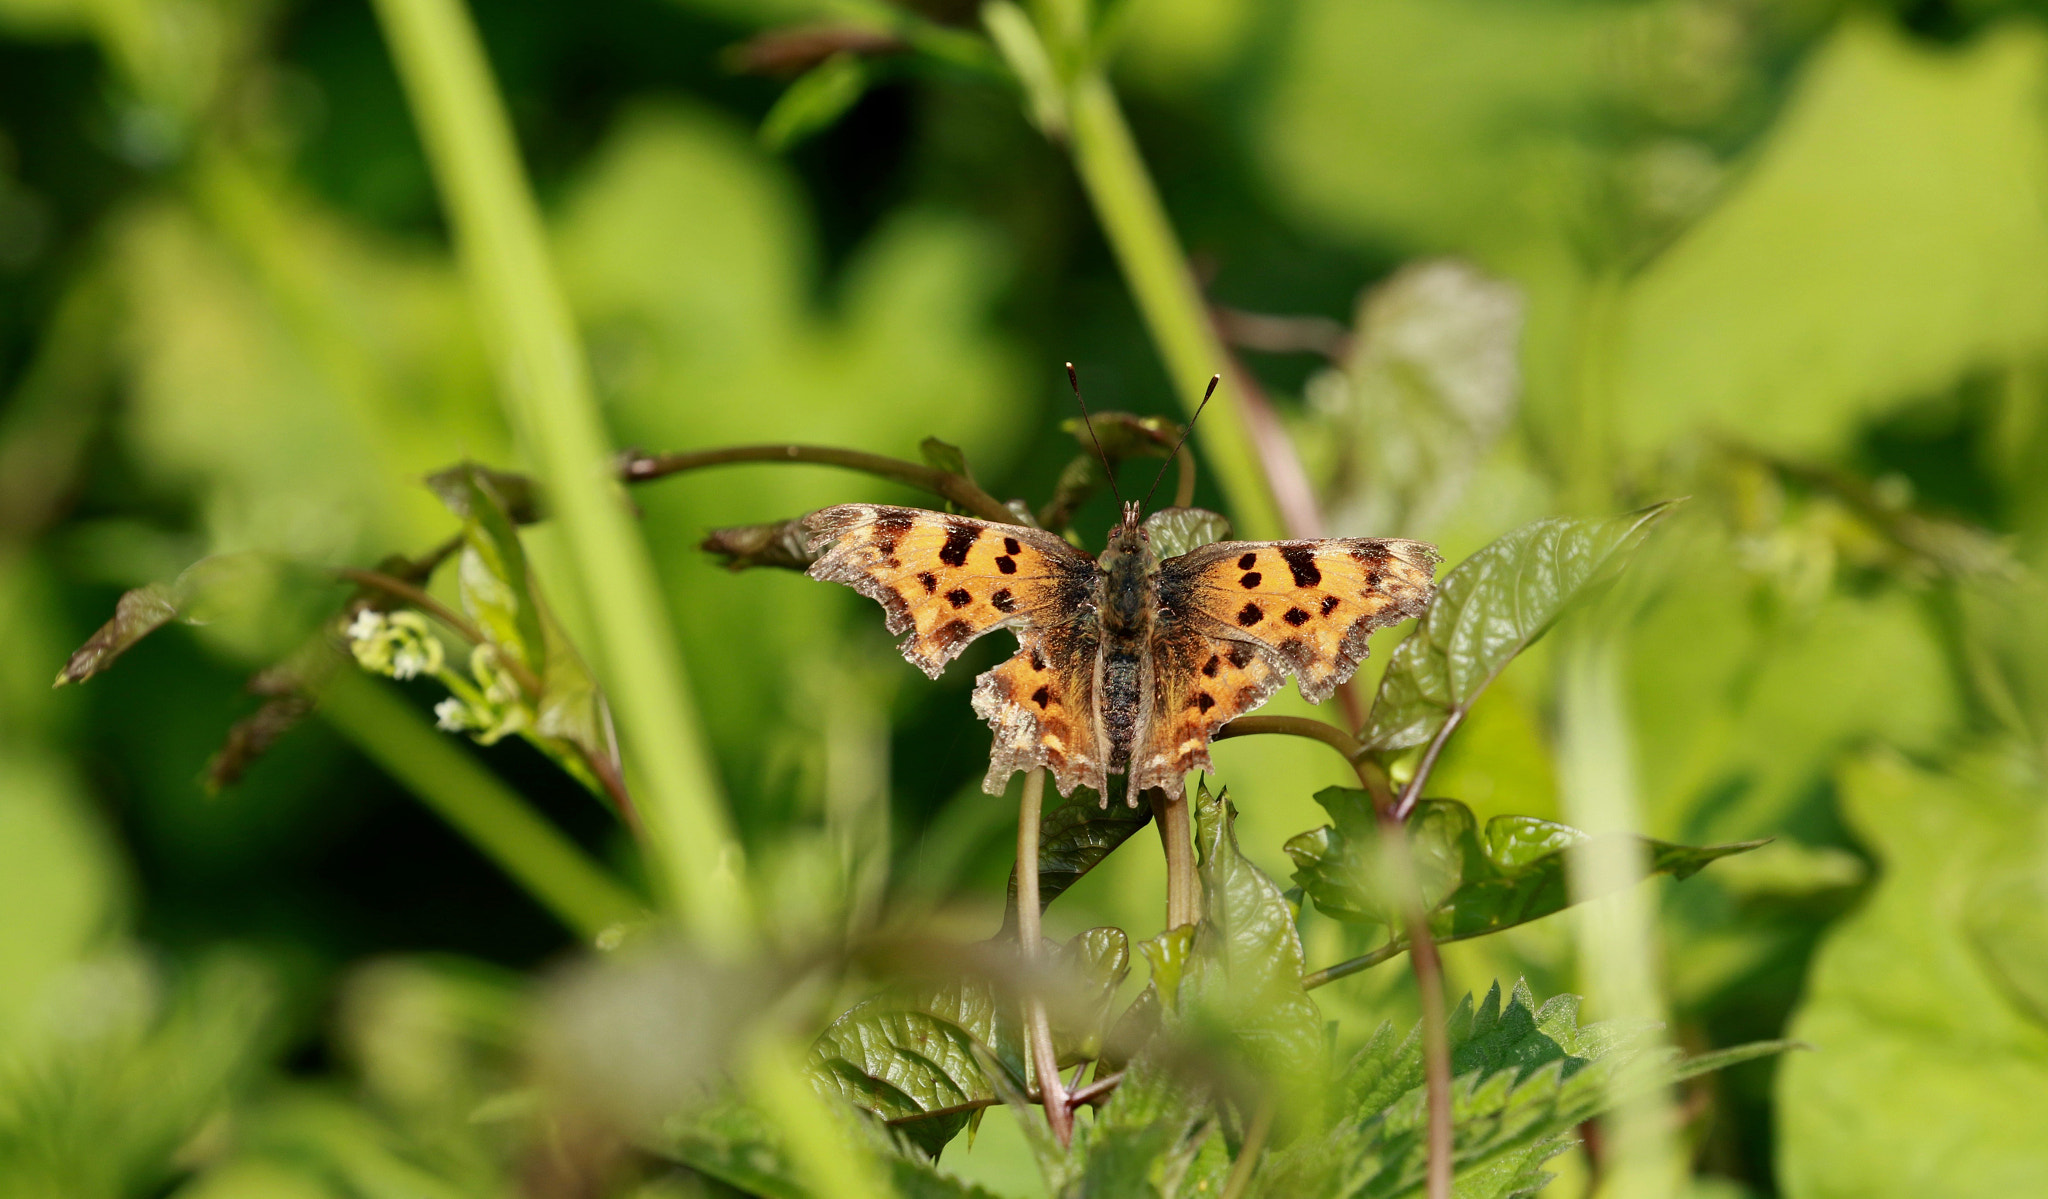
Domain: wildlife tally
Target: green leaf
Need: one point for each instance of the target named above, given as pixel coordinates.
(1524, 1078)
(137, 614)
(517, 494)
(738, 1147)
(1473, 881)
(945, 456)
(1072, 840)
(816, 101)
(1175, 531)
(908, 1053)
(1243, 972)
(496, 587)
(1932, 1068)
(1487, 610)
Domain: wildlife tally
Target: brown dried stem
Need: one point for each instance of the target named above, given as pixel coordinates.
(635, 466)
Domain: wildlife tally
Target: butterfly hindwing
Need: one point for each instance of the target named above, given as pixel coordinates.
(945, 580)
(1198, 684)
(1310, 605)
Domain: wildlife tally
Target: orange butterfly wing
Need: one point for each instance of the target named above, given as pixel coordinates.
(945, 580)
(1237, 616)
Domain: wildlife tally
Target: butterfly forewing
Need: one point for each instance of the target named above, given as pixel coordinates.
(1312, 605)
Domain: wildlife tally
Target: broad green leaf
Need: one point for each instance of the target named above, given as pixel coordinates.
(1474, 881)
(1072, 840)
(1097, 961)
(1430, 384)
(818, 98)
(1175, 531)
(1489, 608)
(740, 1148)
(1243, 970)
(1932, 1064)
(906, 1054)
(1524, 1078)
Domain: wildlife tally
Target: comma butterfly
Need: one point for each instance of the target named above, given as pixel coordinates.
(1125, 662)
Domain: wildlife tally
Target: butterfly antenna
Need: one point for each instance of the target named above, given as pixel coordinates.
(1189, 428)
(1074, 381)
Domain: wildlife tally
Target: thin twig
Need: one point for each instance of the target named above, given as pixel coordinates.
(637, 467)
(1413, 791)
(1315, 730)
(1030, 938)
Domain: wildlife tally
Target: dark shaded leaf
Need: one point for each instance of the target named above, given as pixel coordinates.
(259, 594)
(1474, 882)
(1175, 531)
(1097, 961)
(777, 543)
(1072, 840)
(1487, 610)
(816, 101)
(736, 1146)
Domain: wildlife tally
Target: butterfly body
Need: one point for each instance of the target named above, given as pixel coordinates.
(1126, 663)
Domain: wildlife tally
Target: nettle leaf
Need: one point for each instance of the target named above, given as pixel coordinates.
(1524, 1078)
(1175, 531)
(906, 1054)
(919, 1057)
(739, 1147)
(1473, 881)
(1072, 840)
(1243, 970)
(1487, 610)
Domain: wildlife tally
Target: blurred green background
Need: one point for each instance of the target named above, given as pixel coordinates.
(1790, 259)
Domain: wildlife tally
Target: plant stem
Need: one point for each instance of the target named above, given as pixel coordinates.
(1031, 941)
(1315, 730)
(1176, 836)
(548, 401)
(1133, 219)
(494, 818)
(636, 467)
(1351, 966)
(1248, 1154)
(1398, 863)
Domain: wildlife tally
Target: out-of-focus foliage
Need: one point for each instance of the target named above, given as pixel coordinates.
(1493, 262)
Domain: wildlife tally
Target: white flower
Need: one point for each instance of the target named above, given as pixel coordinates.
(451, 716)
(368, 623)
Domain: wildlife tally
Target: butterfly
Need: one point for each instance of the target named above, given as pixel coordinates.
(1126, 663)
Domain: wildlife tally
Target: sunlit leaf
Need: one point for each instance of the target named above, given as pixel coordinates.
(1487, 610)
(1175, 531)
(1244, 964)
(1928, 989)
(1524, 1078)
(1473, 881)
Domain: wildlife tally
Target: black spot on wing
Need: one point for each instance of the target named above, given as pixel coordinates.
(1204, 701)
(1037, 659)
(1042, 696)
(1012, 546)
(959, 597)
(1250, 615)
(1241, 655)
(930, 581)
(1003, 600)
(1248, 561)
(1209, 667)
(1295, 617)
(959, 539)
(1250, 580)
(1006, 563)
(1302, 561)
(1330, 603)
(953, 633)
